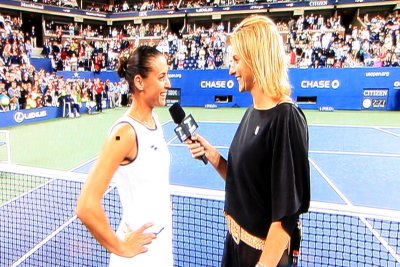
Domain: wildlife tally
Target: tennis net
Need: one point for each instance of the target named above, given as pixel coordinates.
(38, 226)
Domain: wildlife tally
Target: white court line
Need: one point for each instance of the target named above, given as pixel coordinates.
(26, 193)
(49, 174)
(169, 143)
(83, 164)
(354, 153)
(220, 122)
(387, 131)
(377, 235)
(312, 124)
(316, 151)
(49, 237)
(185, 145)
(93, 159)
(329, 181)
(353, 126)
(43, 242)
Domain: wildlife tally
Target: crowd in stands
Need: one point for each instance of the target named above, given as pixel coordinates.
(373, 43)
(22, 86)
(312, 41)
(125, 6)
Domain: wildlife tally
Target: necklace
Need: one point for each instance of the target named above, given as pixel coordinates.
(146, 123)
(149, 124)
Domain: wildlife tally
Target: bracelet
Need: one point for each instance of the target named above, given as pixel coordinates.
(259, 264)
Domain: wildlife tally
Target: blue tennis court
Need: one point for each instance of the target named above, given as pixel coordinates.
(349, 164)
(353, 169)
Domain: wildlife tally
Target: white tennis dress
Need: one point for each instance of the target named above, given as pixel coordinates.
(143, 186)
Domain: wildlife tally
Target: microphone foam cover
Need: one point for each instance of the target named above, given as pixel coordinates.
(177, 113)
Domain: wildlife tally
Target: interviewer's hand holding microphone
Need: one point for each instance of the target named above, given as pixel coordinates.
(198, 145)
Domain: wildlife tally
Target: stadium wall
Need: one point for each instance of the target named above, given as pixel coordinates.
(105, 75)
(323, 89)
(42, 64)
(26, 116)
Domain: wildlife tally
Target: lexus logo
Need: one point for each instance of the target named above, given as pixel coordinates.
(19, 117)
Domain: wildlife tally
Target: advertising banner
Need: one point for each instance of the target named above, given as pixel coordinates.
(19, 117)
(346, 88)
(323, 89)
(200, 88)
(375, 98)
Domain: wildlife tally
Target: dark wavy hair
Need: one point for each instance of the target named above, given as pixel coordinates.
(136, 62)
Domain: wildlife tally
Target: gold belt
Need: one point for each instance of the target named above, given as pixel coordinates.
(239, 234)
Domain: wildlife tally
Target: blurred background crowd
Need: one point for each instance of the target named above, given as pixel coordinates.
(312, 41)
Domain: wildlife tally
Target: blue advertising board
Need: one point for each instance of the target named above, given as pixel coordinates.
(347, 88)
(199, 88)
(311, 88)
(323, 89)
(20, 117)
(103, 75)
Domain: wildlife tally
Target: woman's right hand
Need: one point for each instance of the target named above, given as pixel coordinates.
(198, 146)
(135, 241)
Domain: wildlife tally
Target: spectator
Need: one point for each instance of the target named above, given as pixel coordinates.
(73, 62)
(97, 89)
(4, 101)
(111, 89)
(48, 99)
(70, 97)
(14, 93)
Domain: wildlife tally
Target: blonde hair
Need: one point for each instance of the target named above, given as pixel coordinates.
(258, 42)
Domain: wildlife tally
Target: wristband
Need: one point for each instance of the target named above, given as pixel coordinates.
(259, 264)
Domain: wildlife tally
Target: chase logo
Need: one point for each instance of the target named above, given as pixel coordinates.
(217, 84)
(323, 84)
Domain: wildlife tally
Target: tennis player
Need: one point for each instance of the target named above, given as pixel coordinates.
(267, 172)
(136, 155)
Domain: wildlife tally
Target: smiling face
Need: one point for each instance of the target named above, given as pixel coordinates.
(156, 84)
(259, 59)
(242, 72)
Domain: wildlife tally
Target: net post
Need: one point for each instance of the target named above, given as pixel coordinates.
(8, 147)
(7, 144)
